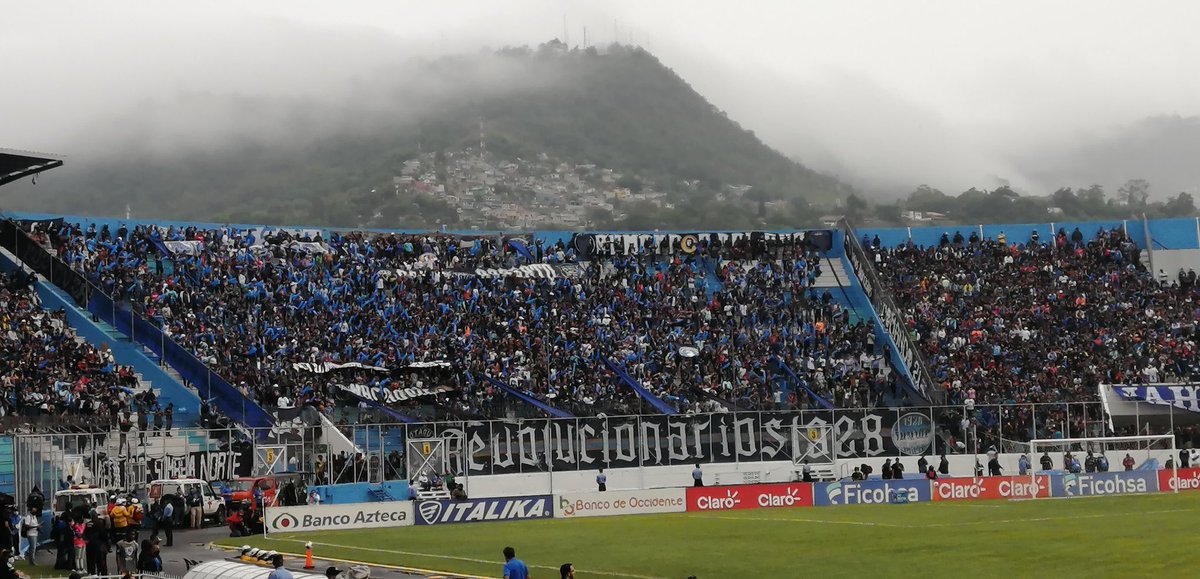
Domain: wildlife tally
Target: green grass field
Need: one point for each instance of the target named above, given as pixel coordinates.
(1149, 536)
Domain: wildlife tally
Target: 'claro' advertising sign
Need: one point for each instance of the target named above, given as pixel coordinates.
(481, 510)
(637, 502)
(992, 487)
(749, 497)
(1188, 480)
(874, 492)
(337, 517)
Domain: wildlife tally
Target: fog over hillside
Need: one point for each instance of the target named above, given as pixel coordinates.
(885, 96)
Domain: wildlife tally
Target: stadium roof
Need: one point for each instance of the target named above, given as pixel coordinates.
(16, 165)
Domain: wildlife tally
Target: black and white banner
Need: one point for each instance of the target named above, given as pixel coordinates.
(609, 244)
(499, 447)
(388, 395)
(531, 271)
(323, 367)
(209, 466)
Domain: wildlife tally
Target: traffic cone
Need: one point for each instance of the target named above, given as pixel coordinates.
(308, 562)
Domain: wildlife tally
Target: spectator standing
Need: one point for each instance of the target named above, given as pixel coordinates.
(944, 465)
(60, 532)
(1023, 465)
(30, 525)
(143, 424)
(127, 553)
(601, 481)
(697, 476)
(1128, 462)
(922, 464)
(118, 517)
(195, 508)
(1047, 462)
(514, 568)
(79, 544)
(164, 520)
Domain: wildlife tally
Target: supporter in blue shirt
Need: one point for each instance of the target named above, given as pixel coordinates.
(514, 568)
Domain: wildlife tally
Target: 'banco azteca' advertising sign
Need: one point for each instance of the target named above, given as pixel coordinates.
(481, 510)
(338, 517)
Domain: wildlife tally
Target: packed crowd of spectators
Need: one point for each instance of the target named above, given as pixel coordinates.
(700, 331)
(45, 371)
(1004, 321)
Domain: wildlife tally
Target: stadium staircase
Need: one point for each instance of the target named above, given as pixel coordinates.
(378, 493)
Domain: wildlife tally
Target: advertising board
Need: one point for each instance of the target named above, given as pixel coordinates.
(480, 510)
(635, 502)
(992, 487)
(1188, 480)
(749, 497)
(337, 517)
(871, 492)
(1103, 483)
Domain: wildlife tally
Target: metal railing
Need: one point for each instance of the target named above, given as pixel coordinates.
(892, 317)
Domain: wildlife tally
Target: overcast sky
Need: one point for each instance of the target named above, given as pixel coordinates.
(884, 94)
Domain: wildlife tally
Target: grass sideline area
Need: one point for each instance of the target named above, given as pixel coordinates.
(1125, 536)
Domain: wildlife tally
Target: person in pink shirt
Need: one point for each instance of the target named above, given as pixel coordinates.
(80, 543)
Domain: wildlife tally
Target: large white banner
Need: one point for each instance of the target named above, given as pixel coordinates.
(338, 517)
(611, 503)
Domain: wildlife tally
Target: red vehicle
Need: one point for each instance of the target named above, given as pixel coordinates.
(243, 487)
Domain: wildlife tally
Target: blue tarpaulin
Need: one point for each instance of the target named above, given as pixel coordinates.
(654, 401)
(523, 397)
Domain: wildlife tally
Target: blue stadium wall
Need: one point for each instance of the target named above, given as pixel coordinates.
(1166, 234)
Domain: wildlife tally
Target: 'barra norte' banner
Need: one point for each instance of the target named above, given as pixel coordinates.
(871, 492)
(536, 445)
(634, 502)
(1182, 397)
(480, 510)
(992, 487)
(215, 465)
(749, 497)
(1103, 483)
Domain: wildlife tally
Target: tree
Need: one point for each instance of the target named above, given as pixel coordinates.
(1182, 205)
(1134, 193)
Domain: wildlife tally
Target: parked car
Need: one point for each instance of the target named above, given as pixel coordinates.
(176, 491)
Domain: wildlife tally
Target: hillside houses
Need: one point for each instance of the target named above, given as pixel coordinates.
(492, 193)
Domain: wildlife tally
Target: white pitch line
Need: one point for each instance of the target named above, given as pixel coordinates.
(458, 558)
(804, 520)
(1044, 519)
